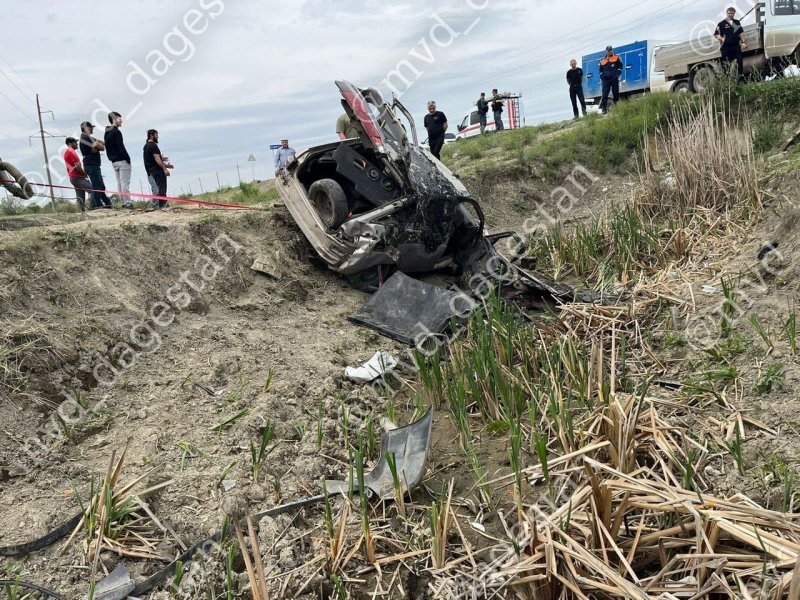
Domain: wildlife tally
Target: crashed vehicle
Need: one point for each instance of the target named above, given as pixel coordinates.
(379, 202)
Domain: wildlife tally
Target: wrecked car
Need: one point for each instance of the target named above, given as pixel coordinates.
(379, 202)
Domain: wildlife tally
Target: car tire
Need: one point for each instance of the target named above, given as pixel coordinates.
(681, 87)
(330, 202)
(701, 78)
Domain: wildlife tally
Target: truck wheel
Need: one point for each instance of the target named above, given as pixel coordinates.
(681, 87)
(702, 78)
(329, 200)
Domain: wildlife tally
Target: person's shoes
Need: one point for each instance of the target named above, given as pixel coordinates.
(106, 206)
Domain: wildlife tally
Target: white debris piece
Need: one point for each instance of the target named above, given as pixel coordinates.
(377, 366)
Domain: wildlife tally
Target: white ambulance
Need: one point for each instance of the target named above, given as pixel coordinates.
(513, 117)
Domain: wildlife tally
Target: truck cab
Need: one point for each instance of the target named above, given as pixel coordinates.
(773, 43)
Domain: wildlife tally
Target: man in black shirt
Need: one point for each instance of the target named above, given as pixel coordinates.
(91, 149)
(497, 110)
(732, 39)
(157, 168)
(575, 83)
(119, 157)
(483, 108)
(436, 124)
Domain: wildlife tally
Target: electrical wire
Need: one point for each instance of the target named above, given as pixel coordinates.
(18, 108)
(11, 81)
(601, 36)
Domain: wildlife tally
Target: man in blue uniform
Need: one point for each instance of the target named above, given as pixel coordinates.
(610, 69)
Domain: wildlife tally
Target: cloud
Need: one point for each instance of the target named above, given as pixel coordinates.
(263, 70)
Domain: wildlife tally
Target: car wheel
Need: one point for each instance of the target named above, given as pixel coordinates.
(702, 78)
(681, 87)
(329, 200)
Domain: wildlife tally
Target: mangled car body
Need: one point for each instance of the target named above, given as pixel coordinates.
(379, 199)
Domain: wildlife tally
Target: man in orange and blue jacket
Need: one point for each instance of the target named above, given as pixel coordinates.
(610, 69)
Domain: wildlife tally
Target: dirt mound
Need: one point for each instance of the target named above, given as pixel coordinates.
(155, 328)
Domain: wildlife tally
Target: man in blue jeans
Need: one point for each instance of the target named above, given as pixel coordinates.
(91, 149)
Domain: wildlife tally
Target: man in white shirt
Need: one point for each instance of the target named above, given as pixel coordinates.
(282, 156)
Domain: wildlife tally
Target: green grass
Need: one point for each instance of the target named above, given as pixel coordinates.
(245, 193)
(608, 144)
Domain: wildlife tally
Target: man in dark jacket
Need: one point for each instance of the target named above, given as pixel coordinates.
(157, 167)
(730, 35)
(436, 124)
(91, 149)
(575, 83)
(497, 110)
(610, 69)
(119, 157)
(483, 108)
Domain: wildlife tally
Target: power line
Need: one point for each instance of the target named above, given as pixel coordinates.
(20, 77)
(17, 107)
(11, 81)
(604, 35)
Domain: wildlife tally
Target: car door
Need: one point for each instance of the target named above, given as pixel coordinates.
(782, 29)
(384, 131)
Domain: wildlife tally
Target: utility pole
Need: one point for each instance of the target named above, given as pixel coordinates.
(201, 185)
(44, 151)
(239, 174)
(219, 185)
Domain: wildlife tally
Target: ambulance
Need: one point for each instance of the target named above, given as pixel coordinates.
(513, 117)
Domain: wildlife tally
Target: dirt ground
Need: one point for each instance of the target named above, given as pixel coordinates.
(71, 293)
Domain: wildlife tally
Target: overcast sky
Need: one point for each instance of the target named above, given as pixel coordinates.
(222, 79)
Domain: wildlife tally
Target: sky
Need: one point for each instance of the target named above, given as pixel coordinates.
(221, 80)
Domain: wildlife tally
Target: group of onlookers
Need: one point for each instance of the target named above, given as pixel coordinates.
(87, 175)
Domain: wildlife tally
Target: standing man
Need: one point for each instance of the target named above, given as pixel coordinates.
(345, 128)
(497, 110)
(91, 149)
(730, 35)
(282, 156)
(483, 109)
(119, 157)
(157, 167)
(575, 83)
(610, 69)
(436, 124)
(77, 176)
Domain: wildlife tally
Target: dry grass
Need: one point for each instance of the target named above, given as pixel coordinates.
(708, 167)
(116, 518)
(25, 347)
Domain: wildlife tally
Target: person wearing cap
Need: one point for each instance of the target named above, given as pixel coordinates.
(436, 124)
(91, 149)
(497, 110)
(157, 167)
(730, 34)
(575, 83)
(610, 69)
(77, 176)
(345, 128)
(483, 109)
(282, 156)
(119, 157)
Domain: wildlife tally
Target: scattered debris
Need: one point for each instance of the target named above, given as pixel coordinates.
(116, 586)
(379, 365)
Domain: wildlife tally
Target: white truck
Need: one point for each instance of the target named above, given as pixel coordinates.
(773, 43)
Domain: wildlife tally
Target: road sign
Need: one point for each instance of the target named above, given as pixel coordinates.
(274, 146)
(251, 158)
